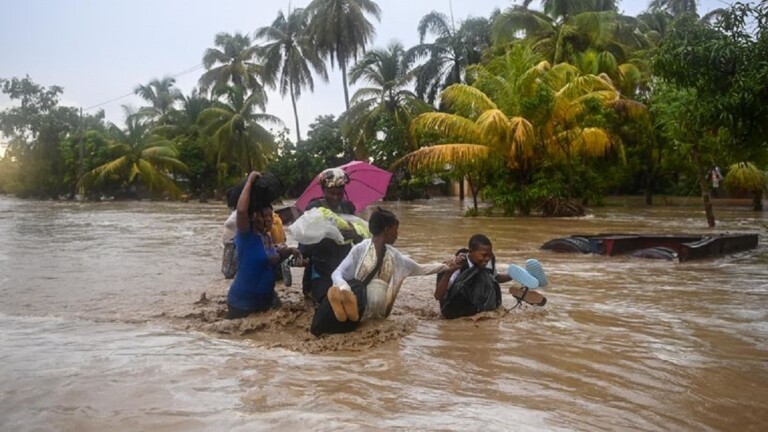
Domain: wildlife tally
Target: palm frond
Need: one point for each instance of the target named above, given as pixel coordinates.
(467, 100)
(746, 176)
(441, 157)
(451, 126)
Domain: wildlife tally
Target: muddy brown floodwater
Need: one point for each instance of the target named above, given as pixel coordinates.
(103, 325)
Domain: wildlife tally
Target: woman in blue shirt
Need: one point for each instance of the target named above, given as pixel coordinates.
(253, 289)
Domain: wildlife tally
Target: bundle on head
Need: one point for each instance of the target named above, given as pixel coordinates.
(264, 191)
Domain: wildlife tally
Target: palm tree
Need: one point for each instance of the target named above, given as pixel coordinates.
(449, 54)
(232, 63)
(341, 30)
(290, 53)
(571, 29)
(492, 121)
(748, 177)
(138, 156)
(388, 75)
(183, 129)
(236, 132)
(674, 7)
(162, 96)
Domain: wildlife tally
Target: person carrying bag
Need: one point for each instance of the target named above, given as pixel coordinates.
(325, 321)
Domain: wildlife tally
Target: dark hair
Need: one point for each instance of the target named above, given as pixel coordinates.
(478, 240)
(233, 194)
(380, 220)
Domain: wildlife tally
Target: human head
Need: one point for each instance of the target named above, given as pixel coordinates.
(258, 218)
(480, 250)
(332, 181)
(269, 217)
(384, 222)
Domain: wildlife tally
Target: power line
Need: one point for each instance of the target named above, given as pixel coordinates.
(184, 72)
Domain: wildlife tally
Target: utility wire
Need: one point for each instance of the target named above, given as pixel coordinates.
(184, 72)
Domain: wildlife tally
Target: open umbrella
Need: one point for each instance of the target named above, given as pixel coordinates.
(367, 183)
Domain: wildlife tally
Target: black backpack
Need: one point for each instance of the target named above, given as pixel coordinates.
(474, 290)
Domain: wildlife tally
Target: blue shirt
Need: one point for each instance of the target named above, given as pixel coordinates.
(254, 286)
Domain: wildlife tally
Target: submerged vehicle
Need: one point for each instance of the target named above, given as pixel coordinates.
(680, 247)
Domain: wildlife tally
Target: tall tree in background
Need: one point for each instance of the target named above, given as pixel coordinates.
(289, 52)
(715, 92)
(232, 62)
(34, 130)
(137, 155)
(162, 96)
(237, 134)
(341, 31)
(449, 54)
(187, 135)
(562, 28)
(388, 76)
(673, 7)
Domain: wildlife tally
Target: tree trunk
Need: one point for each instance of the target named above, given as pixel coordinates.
(474, 190)
(757, 200)
(295, 115)
(648, 186)
(701, 172)
(343, 67)
(461, 188)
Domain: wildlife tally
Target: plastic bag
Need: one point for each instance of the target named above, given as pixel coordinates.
(320, 223)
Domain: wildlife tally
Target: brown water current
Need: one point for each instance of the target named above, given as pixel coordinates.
(103, 327)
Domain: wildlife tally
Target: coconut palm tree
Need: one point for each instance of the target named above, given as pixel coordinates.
(162, 96)
(290, 53)
(674, 7)
(341, 31)
(449, 54)
(236, 132)
(388, 76)
(490, 121)
(562, 9)
(748, 177)
(138, 156)
(232, 62)
(561, 33)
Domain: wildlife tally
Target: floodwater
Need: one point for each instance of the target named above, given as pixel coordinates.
(98, 331)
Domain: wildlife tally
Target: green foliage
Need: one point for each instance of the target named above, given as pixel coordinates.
(297, 165)
(341, 31)
(35, 128)
(289, 55)
(390, 143)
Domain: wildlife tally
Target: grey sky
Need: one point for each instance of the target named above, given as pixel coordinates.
(99, 50)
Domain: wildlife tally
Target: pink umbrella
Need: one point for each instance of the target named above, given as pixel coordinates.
(367, 183)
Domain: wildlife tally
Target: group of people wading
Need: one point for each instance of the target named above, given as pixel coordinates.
(358, 279)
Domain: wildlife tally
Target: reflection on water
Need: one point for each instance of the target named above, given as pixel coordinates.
(622, 344)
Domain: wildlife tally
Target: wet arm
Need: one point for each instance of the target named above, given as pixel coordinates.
(243, 223)
(444, 278)
(442, 285)
(346, 270)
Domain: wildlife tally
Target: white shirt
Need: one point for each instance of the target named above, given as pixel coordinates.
(471, 264)
(230, 228)
(400, 267)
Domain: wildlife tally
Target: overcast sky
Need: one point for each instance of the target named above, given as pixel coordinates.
(100, 50)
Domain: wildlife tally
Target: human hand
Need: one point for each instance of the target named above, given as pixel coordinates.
(456, 262)
(253, 176)
(351, 234)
